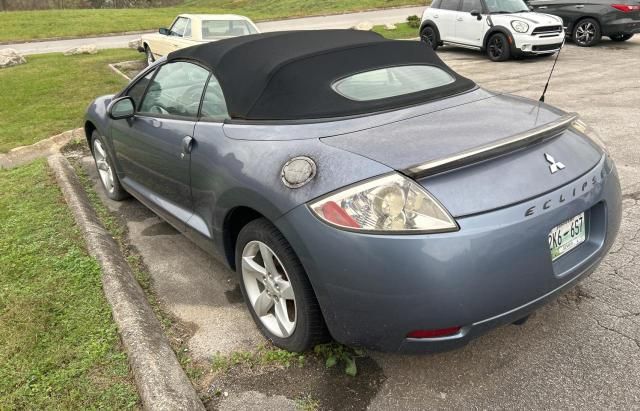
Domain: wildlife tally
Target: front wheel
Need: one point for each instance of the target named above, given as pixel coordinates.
(587, 33)
(276, 288)
(621, 37)
(430, 37)
(149, 54)
(498, 48)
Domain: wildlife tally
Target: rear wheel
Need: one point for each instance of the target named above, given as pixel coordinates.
(430, 37)
(276, 288)
(621, 37)
(587, 33)
(498, 48)
(149, 54)
(106, 171)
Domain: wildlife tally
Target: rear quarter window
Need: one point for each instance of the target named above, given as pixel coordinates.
(450, 4)
(391, 82)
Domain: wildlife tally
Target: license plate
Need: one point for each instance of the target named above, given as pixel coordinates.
(567, 236)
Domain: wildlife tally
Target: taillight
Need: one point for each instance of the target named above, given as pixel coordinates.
(626, 8)
(442, 332)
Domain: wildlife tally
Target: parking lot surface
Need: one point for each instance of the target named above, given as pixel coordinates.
(581, 351)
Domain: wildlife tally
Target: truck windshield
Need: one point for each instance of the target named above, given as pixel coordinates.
(506, 6)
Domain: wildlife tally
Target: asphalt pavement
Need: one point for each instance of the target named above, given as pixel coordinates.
(581, 351)
(338, 21)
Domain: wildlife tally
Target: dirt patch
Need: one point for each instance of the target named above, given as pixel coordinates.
(331, 388)
(128, 69)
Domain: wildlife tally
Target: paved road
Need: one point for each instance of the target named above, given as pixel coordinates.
(339, 21)
(581, 351)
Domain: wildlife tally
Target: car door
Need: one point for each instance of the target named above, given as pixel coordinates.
(445, 19)
(172, 40)
(213, 167)
(153, 148)
(469, 30)
(184, 40)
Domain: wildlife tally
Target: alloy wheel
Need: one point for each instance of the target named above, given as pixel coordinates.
(496, 47)
(585, 33)
(428, 36)
(269, 289)
(104, 168)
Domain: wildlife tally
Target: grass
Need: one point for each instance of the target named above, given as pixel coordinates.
(402, 31)
(264, 356)
(59, 347)
(174, 330)
(50, 93)
(30, 25)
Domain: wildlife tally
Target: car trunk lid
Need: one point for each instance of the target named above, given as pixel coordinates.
(494, 179)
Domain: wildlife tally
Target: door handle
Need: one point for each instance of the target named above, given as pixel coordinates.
(187, 145)
(580, 6)
(435, 16)
(542, 7)
(460, 19)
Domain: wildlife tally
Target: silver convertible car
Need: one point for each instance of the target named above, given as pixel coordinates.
(361, 188)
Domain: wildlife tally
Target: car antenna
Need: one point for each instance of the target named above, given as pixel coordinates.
(551, 72)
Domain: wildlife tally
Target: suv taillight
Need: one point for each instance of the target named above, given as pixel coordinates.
(626, 8)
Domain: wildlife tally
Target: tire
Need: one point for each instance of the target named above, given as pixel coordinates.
(621, 37)
(280, 296)
(106, 171)
(430, 37)
(149, 54)
(498, 48)
(586, 33)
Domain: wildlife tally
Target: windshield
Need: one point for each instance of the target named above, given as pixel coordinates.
(506, 6)
(214, 29)
(391, 82)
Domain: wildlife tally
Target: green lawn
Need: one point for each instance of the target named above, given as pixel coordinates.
(402, 31)
(23, 25)
(50, 93)
(59, 347)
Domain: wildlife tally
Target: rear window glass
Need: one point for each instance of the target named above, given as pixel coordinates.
(212, 29)
(391, 82)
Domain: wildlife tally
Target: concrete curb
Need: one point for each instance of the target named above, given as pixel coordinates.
(43, 148)
(161, 382)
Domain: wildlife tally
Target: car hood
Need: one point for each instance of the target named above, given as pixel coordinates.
(533, 19)
(510, 178)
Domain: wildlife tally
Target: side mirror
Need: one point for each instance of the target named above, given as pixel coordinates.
(120, 108)
(164, 32)
(476, 14)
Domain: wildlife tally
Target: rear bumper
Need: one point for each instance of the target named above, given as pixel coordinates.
(621, 26)
(375, 289)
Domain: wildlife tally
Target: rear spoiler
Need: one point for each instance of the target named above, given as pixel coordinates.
(492, 150)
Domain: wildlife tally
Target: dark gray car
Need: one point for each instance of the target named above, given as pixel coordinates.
(360, 187)
(587, 21)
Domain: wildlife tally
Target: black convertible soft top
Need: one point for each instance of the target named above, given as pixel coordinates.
(288, 75)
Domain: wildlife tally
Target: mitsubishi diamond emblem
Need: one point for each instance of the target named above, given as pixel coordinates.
(554, 165)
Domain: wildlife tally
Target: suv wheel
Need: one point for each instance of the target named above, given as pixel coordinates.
(430, 37)
(621, 37)
(587, 33)
(498, 48)
(276, 288)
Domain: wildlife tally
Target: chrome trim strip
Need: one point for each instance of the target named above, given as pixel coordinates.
(488, 151)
